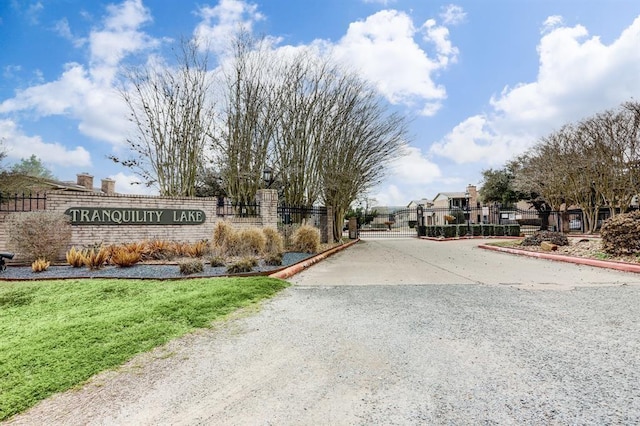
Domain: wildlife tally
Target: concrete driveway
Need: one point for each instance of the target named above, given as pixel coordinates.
(395, 332)
(418, 262)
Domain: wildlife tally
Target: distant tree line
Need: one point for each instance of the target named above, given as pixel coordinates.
(591, 164)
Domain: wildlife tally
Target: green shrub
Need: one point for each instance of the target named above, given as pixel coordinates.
(621, 234)
(498, 230)
(449, 231)
(476, 230)
(191, 266)
(487, 230)
(243, 265)
(537, 238)
(38, 235)
(513, 230)
(306, 239)
(251, 242)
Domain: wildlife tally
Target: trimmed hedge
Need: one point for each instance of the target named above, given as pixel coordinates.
(451, 231)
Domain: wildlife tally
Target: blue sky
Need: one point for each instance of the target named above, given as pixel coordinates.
(479, 80)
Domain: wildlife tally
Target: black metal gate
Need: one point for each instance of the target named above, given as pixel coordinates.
(394, 223)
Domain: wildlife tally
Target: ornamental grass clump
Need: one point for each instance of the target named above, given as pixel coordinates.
(273, 259)
(191, 266)
(225, 239)
(251, 242)
(306, 239)
(621, 234)
(243, 265)
(274, 242)
(217, 261)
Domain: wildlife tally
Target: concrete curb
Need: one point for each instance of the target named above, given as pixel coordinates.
(296, 268)
(620, 266)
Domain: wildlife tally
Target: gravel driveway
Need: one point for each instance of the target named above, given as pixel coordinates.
(395, 332)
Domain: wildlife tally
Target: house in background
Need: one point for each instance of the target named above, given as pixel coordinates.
(450, 203)
(19, 183)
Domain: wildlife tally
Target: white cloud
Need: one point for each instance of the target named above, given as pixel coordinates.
(87, 94)
(414, 167)
(220, 22)
(384, 50)
(21, 146)
(551, 23)
(409, 175)
(119, 37)
(577, 77)
(453, 15)
(130, 184)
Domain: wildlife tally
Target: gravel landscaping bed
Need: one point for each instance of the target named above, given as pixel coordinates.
(138, 271)
(586, 247)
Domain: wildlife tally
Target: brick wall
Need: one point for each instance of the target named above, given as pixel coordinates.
(84, 235)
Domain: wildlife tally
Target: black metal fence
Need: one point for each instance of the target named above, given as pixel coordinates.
(312, 215)
(22, 202)
(226, 208)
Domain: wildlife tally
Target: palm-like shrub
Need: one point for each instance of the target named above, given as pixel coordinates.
(40, 265)
(125, 255)
(95, 258)
(158, 250)
(75, 257)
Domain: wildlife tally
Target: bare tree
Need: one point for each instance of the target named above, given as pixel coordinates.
(243, 140)
(591, 164)
(172, 112)
(361, 141)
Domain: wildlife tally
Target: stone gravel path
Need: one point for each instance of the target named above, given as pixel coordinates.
(395, 332)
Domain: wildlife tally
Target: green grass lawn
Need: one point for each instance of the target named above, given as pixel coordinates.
(55, 335)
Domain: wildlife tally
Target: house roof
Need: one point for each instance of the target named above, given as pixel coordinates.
(34, 183)
(449, 195)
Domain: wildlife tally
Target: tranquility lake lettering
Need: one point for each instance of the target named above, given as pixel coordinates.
(123, 216)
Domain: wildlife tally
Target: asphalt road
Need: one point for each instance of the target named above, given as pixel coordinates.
(395, 332)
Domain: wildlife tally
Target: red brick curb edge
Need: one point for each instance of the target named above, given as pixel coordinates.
(620, 266)
(300, 266)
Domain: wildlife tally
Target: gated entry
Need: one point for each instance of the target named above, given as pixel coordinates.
(399, 223)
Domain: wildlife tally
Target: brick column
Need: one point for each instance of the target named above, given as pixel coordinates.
(268, 200)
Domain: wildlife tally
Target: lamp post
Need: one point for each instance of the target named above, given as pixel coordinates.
(267, 176)
(466, 196)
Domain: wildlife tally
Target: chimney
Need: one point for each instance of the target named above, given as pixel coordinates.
(108, 186)
(86, 180)
(473, 195)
